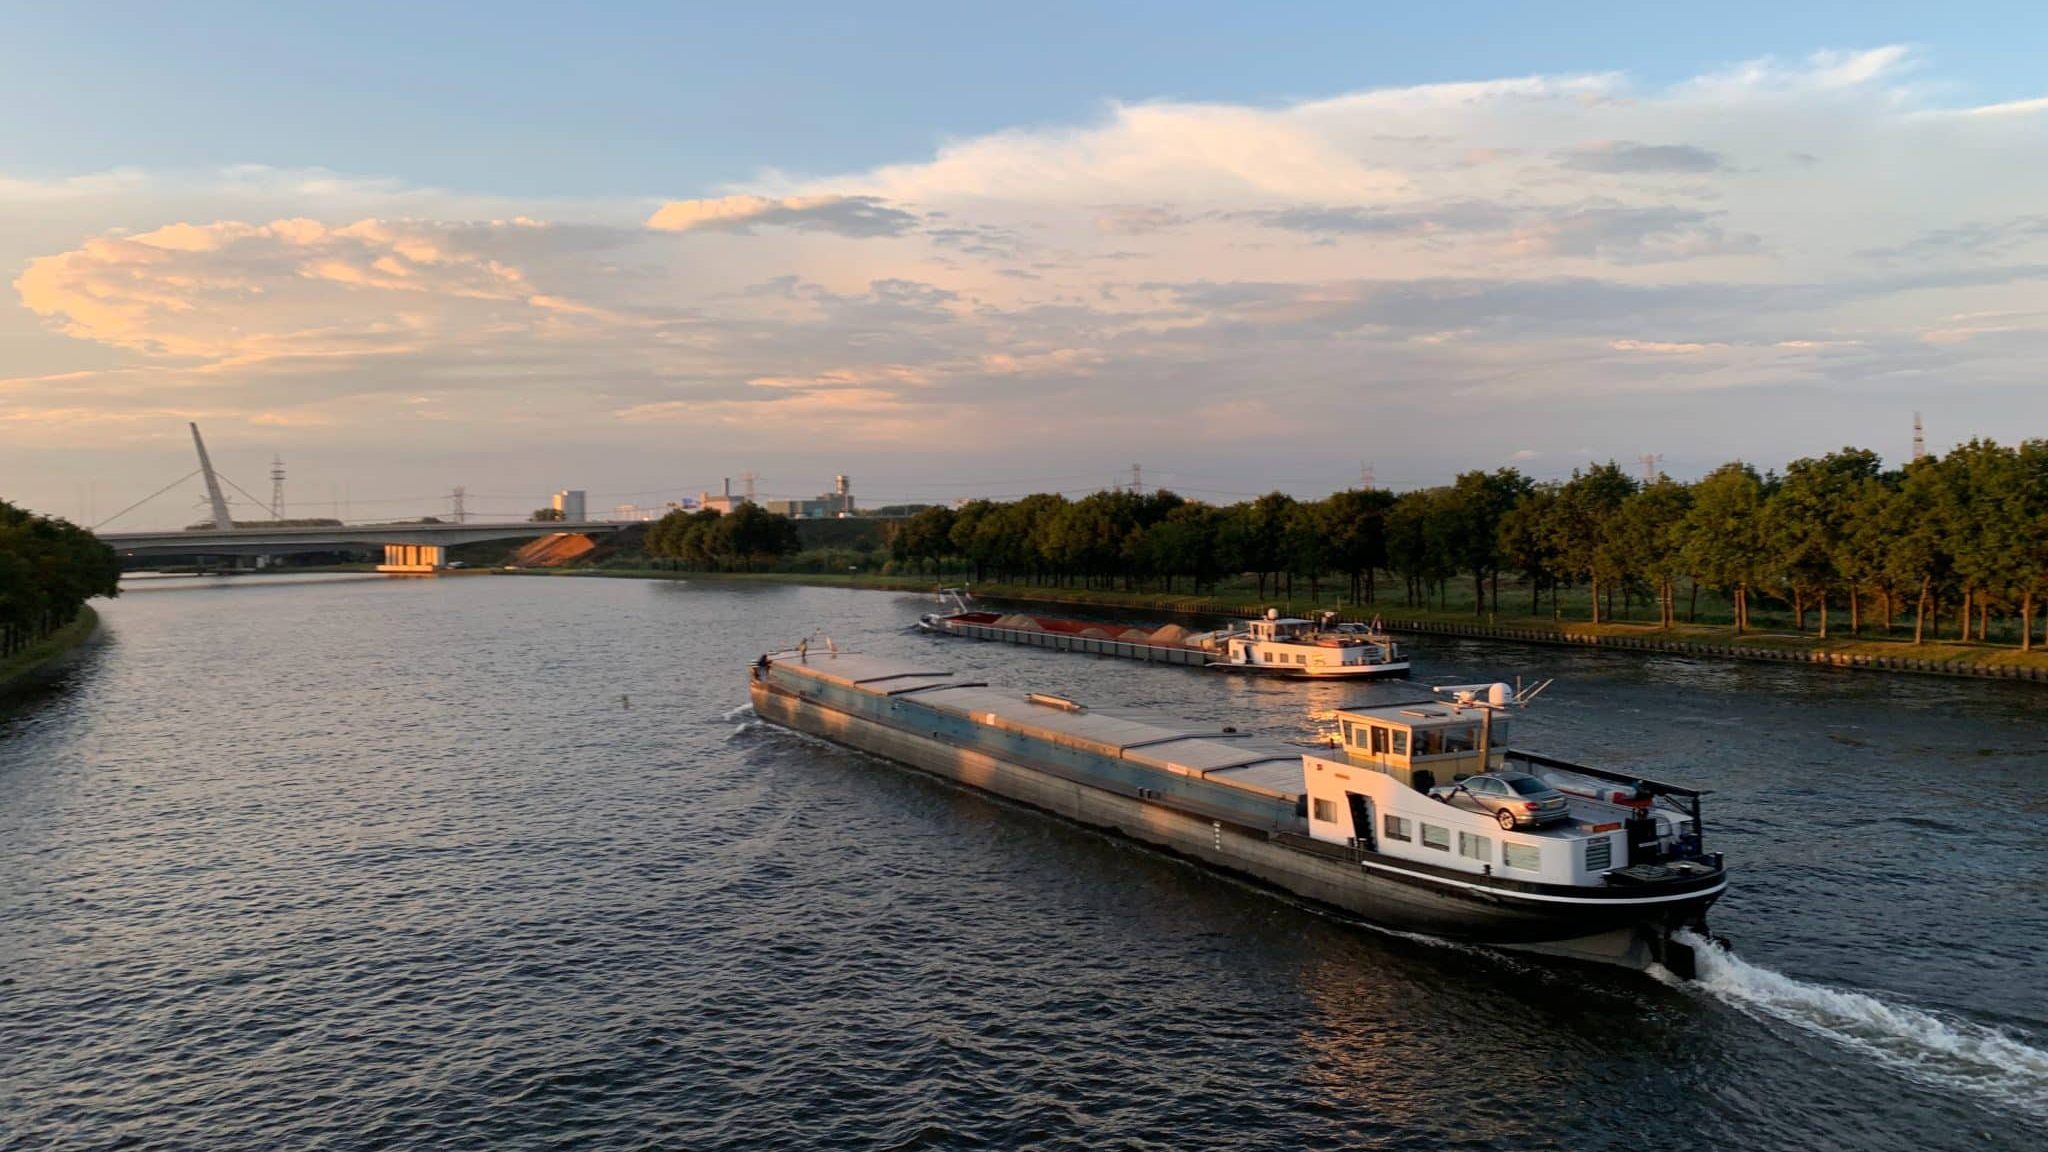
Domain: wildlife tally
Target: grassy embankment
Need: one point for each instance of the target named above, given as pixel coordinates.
(26, 666)
(1775, 639)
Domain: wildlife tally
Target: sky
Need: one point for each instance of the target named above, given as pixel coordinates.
(961, 250)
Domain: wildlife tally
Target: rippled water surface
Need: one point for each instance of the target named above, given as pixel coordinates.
(498, 863)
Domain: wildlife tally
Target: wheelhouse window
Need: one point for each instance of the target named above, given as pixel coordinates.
(1400, 742)
(1326, 812)
(1379, 740)
(1397, 828)
(1473, 846)
(1350, 736)
(1444, 741)
(1435, 837)
(1527, 857)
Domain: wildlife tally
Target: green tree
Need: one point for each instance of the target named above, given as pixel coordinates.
(49, 568)
(1646, 540)
(1723, 534)
(1356, 523)
(1527, 544)
(1476, 506)
(1807, 522)
(1579, 527)
(925, 538)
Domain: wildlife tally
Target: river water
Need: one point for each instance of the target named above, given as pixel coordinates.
(506, 863)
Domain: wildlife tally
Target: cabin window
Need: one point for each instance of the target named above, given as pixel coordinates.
(1300, 659)
(1459, 740)
(1400, 743)
(1379, 740)
(1397, 828)
(1435, 837)
(1527, 857)
(1473, 846)
(1326, 812)
(1349, 737)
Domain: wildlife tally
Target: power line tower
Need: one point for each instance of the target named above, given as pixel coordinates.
(1137, 480)
(1649, 461)
(1365, 477)
(455, 500)
(747, 480)
(276, 487)
(1919, 440)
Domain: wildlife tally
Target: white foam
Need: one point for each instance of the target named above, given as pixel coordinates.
(1932, 1049)
(736, 713)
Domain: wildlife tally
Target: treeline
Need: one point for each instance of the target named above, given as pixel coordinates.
(49, 568)
(1966, 532)
(748, 538)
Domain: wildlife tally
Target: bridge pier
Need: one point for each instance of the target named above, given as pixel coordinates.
(413, 558)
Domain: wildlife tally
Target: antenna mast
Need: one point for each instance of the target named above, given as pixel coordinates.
(1919, 440)
(276, 487)
(221, 519)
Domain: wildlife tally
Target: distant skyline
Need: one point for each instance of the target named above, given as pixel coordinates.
(634, 250)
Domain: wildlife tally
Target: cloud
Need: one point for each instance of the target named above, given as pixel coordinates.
(1634, 235)
(1353, 220)
(1663, 347)
(1624, 157)
(235, 293)
(1288, 277)
(1138, 219)
(855, 216)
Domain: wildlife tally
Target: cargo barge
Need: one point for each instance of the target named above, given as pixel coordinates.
(1284, 646)
(1359, 822)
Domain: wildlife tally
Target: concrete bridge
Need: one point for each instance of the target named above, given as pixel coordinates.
(413, 546)
(407, 547)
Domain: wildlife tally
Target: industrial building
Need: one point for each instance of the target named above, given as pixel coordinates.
(835, 504)
(569, 502)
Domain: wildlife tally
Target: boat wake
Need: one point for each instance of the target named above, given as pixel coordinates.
(1935, 1050)
(746, 721)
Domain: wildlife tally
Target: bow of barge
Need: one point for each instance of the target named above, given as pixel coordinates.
(1351, 824)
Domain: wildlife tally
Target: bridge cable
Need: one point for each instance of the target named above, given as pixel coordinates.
(242, 490)
(145, 500)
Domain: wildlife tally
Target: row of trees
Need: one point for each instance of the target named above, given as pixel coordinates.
(749, 537)
(49, 568)
(1967, 532)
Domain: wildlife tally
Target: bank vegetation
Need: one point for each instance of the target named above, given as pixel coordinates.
(1954, 546)
(49, 568)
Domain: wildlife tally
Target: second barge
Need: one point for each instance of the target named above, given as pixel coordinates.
(1275, 645)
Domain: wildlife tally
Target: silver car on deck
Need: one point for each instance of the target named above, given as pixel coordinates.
(1515, 799)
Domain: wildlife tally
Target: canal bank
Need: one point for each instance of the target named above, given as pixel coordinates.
(51, 654)
(1937, 658)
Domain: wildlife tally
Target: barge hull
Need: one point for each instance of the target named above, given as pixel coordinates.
(1096, 645)
(1331, 877)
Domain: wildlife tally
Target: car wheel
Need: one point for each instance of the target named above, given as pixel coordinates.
(1506, 818)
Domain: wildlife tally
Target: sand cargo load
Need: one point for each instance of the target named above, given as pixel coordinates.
(1385, 817)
